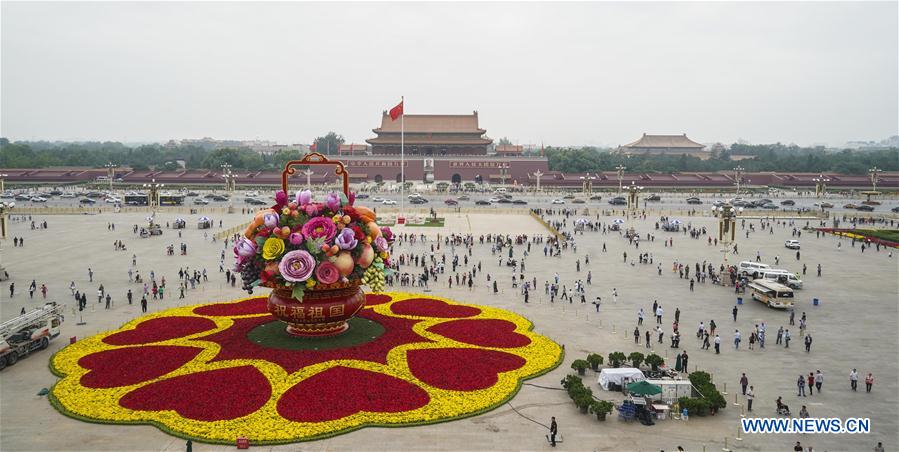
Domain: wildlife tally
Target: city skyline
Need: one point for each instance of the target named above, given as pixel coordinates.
(597, 74)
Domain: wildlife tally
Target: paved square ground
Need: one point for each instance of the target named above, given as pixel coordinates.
(855, 326)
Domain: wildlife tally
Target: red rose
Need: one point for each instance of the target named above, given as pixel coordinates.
(349, 210)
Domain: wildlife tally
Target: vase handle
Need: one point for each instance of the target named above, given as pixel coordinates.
(314, 158)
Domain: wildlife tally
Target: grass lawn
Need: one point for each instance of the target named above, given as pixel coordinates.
(883, 234)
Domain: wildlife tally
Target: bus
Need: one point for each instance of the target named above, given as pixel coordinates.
(171, 200)
(136, 200)
(772, 294)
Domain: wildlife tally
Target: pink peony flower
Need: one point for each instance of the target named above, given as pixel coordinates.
(281, 197)
(387, 233)
(296, 266)
(295, 238)
(333, 202)
(304, 197)
(319, 227)
(327, 273)
(381, 243)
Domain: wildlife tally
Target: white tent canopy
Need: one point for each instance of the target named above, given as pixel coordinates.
(619, 375)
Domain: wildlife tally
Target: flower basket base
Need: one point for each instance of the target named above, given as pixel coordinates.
(321, 313)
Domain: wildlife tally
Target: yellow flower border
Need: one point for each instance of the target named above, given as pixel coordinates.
(266, 426)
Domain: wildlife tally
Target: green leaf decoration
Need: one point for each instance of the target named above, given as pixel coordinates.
(315, 246)
(343, 199)
(260, 241)
(298, 291)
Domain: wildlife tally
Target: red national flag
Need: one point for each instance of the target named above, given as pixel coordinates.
(397, 111)
(313, 146)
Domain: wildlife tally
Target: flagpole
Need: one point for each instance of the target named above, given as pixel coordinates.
(402, 156)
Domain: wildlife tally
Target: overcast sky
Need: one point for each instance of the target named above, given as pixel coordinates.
(562, 74)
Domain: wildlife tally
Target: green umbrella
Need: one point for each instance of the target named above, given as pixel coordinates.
(643, 388)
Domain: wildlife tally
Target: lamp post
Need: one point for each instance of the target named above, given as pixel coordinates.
(587, 183)
(230, 182)
(633, 196)
(153, 196)
(110, 173)
(873, 175)
(820, 185)
(503, 172)
(727, 226)
(538, 174)
(5, 207)
(738, 177)
(2, 182)
(620, 169)
(308, 173)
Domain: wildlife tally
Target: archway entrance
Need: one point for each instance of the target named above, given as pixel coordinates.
(456, 179)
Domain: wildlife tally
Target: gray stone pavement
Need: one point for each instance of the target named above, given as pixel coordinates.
(855, 326)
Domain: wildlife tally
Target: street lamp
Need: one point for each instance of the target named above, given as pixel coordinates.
(3, 177)
(587, 183)
(153, 197)
(727, 226)
(620, 169)
(738, 177)
(230, 183)
(308, 173)
(503, 172)
(633, 196)
(873, 172)
(538, 174)
(820, 185)
(5, 207)
(110, 173)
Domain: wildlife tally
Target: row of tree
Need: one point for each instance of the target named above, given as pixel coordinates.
(776, 157)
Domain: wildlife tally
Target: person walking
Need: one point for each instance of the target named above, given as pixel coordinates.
(744, 382)
(108, 301)
(12, 289)
(853, 380)
(636, 335)
(787, 339)
(811, 383)
(869, 382)
(800, 383)
(737, 339)
(90, 274)
(553, 430)
(808, 343)
(749, 397)
(130, 296)
(735, 313)
(717, 344)
(143, 303)
(640, 316)
(819, 380)
(659, 312)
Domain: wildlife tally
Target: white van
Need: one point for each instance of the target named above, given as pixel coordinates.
(783, 277)
(754, 269)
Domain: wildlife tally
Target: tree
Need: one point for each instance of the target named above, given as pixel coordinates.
(504, 140)
(636, 358)
(328, 144)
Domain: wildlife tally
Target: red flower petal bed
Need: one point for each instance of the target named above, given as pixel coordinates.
(218, 385)
(160, 329)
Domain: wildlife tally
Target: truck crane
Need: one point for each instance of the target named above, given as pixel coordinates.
(29, 332)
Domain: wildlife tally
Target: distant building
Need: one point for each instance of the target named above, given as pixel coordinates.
(664, 144)
(509, 149)
(352, 149)
(431, 135)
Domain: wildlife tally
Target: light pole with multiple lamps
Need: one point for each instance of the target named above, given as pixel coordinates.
(620, 169)
(874, 176)
(633, 196)
(820, 185)
(308, 173)
(727, 226)
(538, 174)
(503, 172)
(5, 207)
(3, 177)
(230, 182)
(153, 196)
(738, 177)
(110, 173)
(587, 184)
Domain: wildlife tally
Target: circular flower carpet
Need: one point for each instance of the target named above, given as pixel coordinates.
(221, 371)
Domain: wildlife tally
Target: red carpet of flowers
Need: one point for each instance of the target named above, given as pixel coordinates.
(193, 372)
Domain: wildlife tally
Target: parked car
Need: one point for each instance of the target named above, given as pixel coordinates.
(191, 193)
(694, 200)
(788, 202)
(38, 199)
(23, 198)
(361, 195)
(225, 198)
(377, 199)
(558, 201)
(505, 201)
(87, 201)
(792, 244)
(595, 198)
(823, 205)
(850, 206)
(451, 202)
(770, 206)
(388, 202)
(895, 209)
(464, 198)
(482, 202)
(865, 208)
(112, 200)
(68, 195)
(418, 200)
(568, 196)
(201, 201)
(653, 198)
(578, 201)
(253, 201)
(519, 201)
(618, 201)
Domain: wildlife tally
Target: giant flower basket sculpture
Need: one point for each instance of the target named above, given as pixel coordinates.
(315, 255)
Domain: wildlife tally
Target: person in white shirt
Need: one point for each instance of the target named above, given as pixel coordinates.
(659, 312)
(853, 380)
(750, 395)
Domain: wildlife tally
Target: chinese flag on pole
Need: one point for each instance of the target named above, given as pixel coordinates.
(397, 111)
